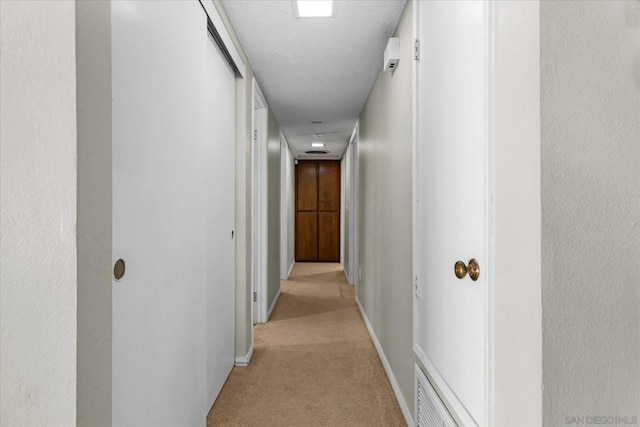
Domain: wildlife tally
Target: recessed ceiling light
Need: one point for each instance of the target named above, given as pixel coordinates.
(317, 144)
(314, 8)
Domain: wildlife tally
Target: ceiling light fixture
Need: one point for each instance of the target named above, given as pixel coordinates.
(313, 8)
(317, 144)
(317, 135)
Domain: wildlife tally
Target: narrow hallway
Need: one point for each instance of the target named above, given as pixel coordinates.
(313, 364)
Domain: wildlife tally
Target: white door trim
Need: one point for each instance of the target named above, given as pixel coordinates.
(353, 209)
(513, 391)
(259, 236)
(343, 207)
(284, 213)
(213, 14)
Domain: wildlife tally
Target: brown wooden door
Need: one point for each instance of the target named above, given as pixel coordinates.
(318, 211)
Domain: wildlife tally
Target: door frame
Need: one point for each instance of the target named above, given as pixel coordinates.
(318, 165)
(343, 208)
(514, 313)
(353, 209)
(259, 197)
(285, 215)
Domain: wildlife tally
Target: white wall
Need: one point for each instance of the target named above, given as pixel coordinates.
(38, 218)
(590, 112)
(385, 287)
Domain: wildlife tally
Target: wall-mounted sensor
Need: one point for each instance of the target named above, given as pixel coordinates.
(392, 54)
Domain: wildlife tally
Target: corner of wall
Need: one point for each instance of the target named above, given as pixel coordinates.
(515, 303)
(94, 227)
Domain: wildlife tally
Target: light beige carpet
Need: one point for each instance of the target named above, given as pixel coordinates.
(314, 363)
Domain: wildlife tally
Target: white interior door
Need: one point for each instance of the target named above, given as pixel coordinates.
(451, 314)
(173, 124)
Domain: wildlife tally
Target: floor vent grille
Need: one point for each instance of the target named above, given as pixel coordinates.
(430, 411)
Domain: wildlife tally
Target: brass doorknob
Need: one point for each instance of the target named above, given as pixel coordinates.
(473, 269)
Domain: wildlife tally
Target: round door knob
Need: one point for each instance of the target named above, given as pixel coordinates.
(119, 269)
(473, 269)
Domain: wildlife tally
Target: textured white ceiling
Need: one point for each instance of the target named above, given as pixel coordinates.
(315, 69)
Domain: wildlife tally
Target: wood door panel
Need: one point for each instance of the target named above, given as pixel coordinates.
(329, 186)
(329, 236)
(307, 236)
(317, 211)
(307, 181)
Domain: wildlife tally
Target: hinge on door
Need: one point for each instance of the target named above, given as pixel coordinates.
(255, 135)
(415, 286)
(416, 49)
(255, 297)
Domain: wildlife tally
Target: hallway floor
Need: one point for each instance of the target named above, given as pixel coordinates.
(313, 362)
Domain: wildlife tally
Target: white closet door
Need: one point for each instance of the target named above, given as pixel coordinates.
(220, 167)
(450, 313)
(172, 219)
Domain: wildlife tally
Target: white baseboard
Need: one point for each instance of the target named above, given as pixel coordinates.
(408, 417)
(246, 359)
(290, 270)
(273, 305)
(347, 276)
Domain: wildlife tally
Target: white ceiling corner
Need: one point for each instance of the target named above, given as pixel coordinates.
(315, 69)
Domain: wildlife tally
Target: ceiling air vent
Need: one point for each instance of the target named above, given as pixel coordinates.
(317, 152)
